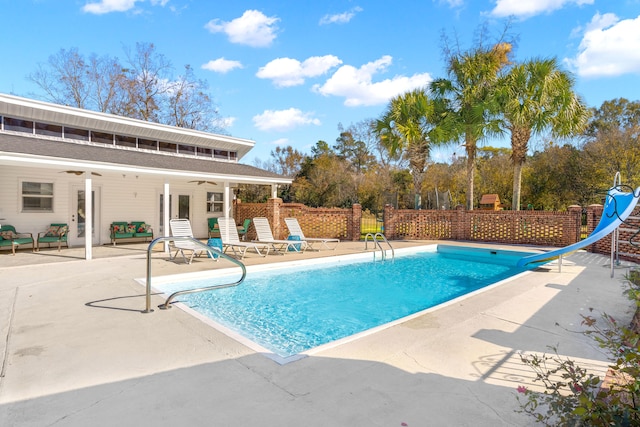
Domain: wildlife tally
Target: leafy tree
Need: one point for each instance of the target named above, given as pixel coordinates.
(466, 102)
(405, 127)
(495, 176)
(536, 96)
(612, 145)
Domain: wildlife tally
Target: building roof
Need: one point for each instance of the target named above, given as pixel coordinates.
(30, 109)
(489, 199)
(19, 149)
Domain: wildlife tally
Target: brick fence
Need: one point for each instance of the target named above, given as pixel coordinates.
(510, 227)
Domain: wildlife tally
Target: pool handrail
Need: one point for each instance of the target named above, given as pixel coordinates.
(377, 243)
(187, 291)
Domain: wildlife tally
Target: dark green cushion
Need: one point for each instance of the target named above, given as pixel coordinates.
(5, 242)
(52, 239)
(23, 240)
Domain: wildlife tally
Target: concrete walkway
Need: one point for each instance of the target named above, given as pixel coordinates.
(77, 351)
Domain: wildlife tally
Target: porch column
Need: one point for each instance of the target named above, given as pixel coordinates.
(274, 191)
(88, 217)
(227, 199)
(165, 215)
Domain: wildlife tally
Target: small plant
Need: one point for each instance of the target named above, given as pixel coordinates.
(574, 397)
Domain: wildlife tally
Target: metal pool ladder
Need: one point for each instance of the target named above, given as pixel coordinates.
(377, 243)
(188, 291)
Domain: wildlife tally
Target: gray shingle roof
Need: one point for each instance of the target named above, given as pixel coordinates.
(128, 157)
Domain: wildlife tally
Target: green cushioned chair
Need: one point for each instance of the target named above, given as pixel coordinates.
(143, 230)
(120, 230)
(213, 226)
(9, 237)
(56, 233)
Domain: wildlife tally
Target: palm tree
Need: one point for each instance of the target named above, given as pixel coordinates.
(537, 96)
(465, 102)
(405, 128)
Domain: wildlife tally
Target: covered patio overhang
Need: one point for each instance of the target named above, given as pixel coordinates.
(170, 169)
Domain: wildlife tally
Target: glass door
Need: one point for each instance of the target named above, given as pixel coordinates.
(77, 225)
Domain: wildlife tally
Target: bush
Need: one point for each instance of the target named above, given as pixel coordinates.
(574, 397)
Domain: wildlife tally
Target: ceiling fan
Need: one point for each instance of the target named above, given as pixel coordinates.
(81, 172)
(204, 182)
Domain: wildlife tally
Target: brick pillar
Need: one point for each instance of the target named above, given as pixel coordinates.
(389, 222)
(594, 213)
(273, 215)
(458, 228)
(576, 211)
(356, 218)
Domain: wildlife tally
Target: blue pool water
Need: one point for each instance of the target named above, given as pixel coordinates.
(301, 307)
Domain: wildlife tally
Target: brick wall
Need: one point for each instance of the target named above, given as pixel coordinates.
(512, 227)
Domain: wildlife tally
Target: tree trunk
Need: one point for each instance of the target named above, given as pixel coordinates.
(517, 183)
(470, 146)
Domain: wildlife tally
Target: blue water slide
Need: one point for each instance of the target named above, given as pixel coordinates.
(617, 207)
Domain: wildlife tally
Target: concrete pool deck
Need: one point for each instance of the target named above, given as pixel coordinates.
(76, 350)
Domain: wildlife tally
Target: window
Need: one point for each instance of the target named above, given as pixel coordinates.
(220, 154)
(125, 141)
(186, 149)
(214, 202)
(73, 133)
(48, 129)
(37, 196)
(204, 152)
(103, 138)
(168, 147)
(18, 125)
(147, 144)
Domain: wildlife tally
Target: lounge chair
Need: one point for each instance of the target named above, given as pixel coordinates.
(182, 228)
(263, 230)
(295, 230)
(231, 239)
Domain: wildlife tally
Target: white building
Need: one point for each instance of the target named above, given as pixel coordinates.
(67, 165)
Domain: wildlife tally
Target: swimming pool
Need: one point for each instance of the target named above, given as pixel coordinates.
(294, 307)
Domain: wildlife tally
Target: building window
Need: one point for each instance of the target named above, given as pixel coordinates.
(187, 149)
(18, 125)
(102, 138)
(125, 141)
(37, 196)
(48, 129)
(168, 147)
(73, 133)
(204, 152)
(147, 144)
(214, 202)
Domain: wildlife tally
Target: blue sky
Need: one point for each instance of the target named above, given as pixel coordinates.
(288, 72)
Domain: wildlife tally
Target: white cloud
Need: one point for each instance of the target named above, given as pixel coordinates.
(529, 8)
(281, 141)
(221, 65)
(225, 122)
(286, 72)
(357, 86)
(283, 120)
(106, 6)
(253, 28)
(609, 47)
(340, 18)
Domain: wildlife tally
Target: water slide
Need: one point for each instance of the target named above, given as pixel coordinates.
(617, 207)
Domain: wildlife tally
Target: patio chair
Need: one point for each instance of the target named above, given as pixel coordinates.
(182, 228)
(10, 237)
(296, 230)
(231, 239)
(242, 231)
(56, 233)
(263, 230)
(212, 224)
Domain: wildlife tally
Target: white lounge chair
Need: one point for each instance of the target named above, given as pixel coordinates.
(231, 239)
(182, 228)
(295, 230)
(263, 230)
